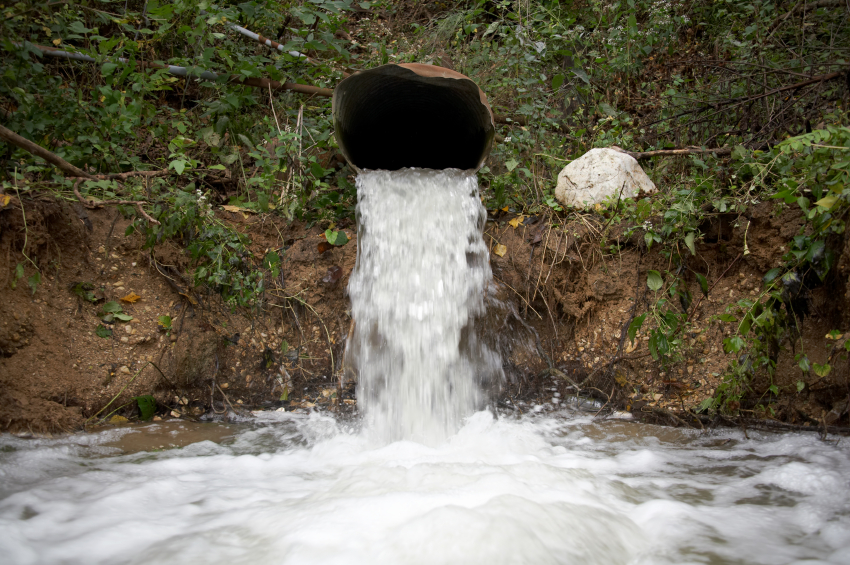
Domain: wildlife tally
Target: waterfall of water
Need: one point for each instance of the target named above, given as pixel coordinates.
(416, 291)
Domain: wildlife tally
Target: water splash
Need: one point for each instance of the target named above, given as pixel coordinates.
(416, 291)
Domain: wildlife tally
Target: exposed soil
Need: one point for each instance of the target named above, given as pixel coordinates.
(559, 315)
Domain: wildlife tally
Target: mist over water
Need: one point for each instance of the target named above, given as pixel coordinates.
(418, 286)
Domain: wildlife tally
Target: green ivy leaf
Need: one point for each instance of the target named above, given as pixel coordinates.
(557, 81)
(804, 364)
(103, 331)
(337, 238)
(703, 284)
(33, 281)
(110, 307)
(689, 241)
(511, 164)
(635, 326)
(800, 386)
(654, 281)
(164, 322)
(733, 344)
(821, 370)
(147, 406)
(772, 274)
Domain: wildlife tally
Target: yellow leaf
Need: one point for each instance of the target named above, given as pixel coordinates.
(4, 200)
(505, 209)
(516, 222)
(500, 250)
(230, 208)
(190, 298)
(827, 201)
(118, 420)
(57, 41)
(132, 298)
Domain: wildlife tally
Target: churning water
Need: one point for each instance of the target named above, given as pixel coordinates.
(428, 480)
(416, 291)
(301, 489)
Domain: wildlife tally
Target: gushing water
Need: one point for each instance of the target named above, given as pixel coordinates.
(418, 287)
(462, 486)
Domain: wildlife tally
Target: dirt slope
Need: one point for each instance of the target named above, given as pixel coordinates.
(559, 314)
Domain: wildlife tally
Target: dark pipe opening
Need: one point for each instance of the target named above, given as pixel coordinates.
(397, 116)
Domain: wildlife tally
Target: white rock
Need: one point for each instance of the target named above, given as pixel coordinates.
(598, 175)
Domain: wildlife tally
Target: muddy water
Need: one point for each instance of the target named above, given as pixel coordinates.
(292, 488)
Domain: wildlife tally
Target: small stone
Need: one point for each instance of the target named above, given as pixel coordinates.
(184, 401)
(248, 378)
(16, 316)
(225, 385)
(16, 337)
(125, 339)
(133, 331)
(157, 419)
(115, 256)
(119, 283)
(128, 328)
(113, 268)
(239, 401)
(134, 263)
(173, 338)
(124, 369)
(175, 413)
(101, 249)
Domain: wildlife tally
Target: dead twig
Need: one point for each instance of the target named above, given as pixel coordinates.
(39, 151)
(639, 155)
(92, 204)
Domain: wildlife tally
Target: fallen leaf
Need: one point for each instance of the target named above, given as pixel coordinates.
(231, 208)
(118, 420)
(515, 222)
(657, 397)
(190, 298)
(500, 250)
(4, 200)
(334, 274)
(505, 209)
(324, 246)
(132, 298)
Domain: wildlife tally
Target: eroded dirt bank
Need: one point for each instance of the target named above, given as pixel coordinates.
(560, 312)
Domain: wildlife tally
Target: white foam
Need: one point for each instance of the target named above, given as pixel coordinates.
(296, 490)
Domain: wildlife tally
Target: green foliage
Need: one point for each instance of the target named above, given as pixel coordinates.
(112, 311)
(337, 238)
(811, 173)
(147, 406)
(85, 291)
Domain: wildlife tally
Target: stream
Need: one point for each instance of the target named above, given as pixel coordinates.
(423, 474)
(291, 488)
